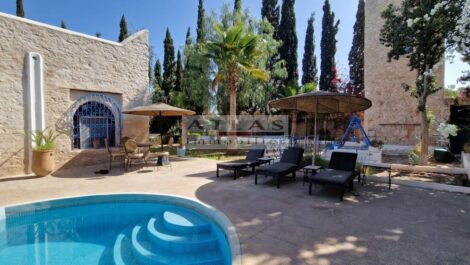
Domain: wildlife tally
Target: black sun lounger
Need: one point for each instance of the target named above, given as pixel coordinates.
(251, 160)
(289, 163)
(341, 172)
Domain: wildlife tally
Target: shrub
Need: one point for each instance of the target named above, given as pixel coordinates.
(466, 148)
(44, 140)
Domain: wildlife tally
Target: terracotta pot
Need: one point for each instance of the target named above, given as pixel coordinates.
(43, 163)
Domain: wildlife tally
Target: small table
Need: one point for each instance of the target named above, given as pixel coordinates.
(387, 167)
(310, 170)
(265, 160)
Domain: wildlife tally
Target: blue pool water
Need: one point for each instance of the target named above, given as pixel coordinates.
(111, 229)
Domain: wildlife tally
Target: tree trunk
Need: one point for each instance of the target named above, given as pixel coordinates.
(293, 126)
(424, 138)
(424, 119)
(232, 133)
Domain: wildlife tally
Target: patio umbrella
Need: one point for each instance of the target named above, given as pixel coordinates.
(160, 110)
(322, 102)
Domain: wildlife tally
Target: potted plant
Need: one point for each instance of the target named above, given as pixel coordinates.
(43, 162)
(96, 143)
(466, 157)
(181, 150)
(376, 145)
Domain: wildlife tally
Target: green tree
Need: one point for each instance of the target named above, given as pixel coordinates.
(309, 62)
(234, 52)
(179, 72)
(417, 30)
(356, 55)
(62, 24)
(123, 29)
(270, 11)
(19, 8)
(328, 48)
(188, 40)
(158, 79)
(288, 36)
(98, 34)
(157, 82)
(200, 22)
(169, 66)
(237, 12)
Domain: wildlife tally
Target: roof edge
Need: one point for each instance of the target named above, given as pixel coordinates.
(71, 32)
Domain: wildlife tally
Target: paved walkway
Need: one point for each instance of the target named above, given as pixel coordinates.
(402, 226)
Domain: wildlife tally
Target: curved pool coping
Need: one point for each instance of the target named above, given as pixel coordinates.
(203, 208)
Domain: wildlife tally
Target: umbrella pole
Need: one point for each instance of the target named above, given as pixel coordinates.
(161, 131)
(315, 133)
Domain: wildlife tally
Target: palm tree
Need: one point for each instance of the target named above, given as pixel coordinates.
(234, 51)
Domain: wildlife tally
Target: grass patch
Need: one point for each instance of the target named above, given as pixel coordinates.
(209, 154)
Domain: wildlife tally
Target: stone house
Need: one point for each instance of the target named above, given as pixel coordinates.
(70, 82)
(393, 117)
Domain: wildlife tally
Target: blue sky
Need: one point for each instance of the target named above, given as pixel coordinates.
(91, 16)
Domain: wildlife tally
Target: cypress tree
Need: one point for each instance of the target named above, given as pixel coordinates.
(328, 48)
(123, 26)
(98, 34)
(19, 8)
(270, 11)
(157, 75)
(169, 67)
(188, 40)
(179, 72)
(62, 24)
(288, 36)
(356, 55)
(200, 22)
(309, 62)
(237, 12)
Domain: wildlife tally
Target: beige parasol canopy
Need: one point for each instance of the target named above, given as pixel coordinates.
(159, 109)
(323, 102)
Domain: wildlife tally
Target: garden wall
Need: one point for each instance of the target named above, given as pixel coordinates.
(71, 62)
(393, 117)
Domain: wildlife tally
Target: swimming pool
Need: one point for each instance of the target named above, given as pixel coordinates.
(122, 229)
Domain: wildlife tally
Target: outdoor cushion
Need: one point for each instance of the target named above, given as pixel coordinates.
(251, 160)
(331, 176)
(279, 168)
(237, 163)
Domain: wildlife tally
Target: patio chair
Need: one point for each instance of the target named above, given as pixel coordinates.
(341, 172)
(114, 154)
(290, 162)
(132, 153)
(251, 160)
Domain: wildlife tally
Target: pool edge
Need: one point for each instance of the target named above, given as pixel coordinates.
(209, 211)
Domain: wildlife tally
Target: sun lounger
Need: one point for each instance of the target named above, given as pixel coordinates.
(341, 172)
(289, 164)
(251, 160)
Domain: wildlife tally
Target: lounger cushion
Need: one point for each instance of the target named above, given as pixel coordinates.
(254, 154)
(292, 155)
(237, 164)
(330, 176)
(279, 168)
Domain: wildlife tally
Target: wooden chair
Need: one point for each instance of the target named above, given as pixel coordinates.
(114, 154)
(132, 153)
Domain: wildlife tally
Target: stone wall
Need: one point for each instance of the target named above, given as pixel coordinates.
(393, 117)
(72, 62)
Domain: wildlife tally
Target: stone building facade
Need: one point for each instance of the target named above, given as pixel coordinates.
(73, 73)
(393, 117)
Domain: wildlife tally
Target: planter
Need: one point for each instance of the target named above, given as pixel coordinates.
(96, 143)
(43, 163)
(181, 152)
(466, 162)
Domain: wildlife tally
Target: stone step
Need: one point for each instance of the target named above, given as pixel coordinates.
(148, 254)
(182, 221)
(184, 243)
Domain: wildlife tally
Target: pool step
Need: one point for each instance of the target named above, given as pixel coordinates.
(148, 253)
(182, 221)
(167, 239)
(122, 250)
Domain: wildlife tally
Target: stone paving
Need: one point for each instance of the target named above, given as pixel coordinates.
(404, 225)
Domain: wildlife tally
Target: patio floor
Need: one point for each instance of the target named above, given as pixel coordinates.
(403, 226)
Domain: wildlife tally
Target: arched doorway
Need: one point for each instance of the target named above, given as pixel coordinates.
(95, 118)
